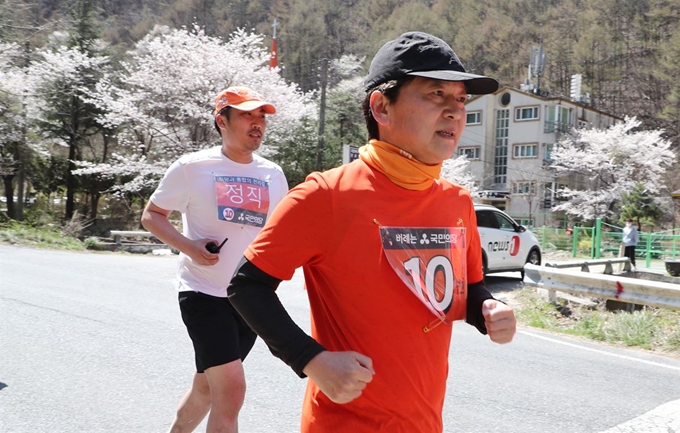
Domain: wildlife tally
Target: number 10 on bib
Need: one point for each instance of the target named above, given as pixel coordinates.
(431, 263)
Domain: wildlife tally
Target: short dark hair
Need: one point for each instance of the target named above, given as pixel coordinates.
(390, 90)
(226, 111)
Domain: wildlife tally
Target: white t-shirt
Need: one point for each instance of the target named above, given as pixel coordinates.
(219, 199)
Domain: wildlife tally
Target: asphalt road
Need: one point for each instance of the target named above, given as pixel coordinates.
(93, 342)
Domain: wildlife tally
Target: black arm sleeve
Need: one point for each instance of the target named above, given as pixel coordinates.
(252, 292)
(477, 294)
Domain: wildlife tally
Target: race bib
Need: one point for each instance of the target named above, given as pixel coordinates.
(431, 263)
(242, 200)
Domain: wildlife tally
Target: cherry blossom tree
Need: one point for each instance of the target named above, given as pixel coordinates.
(10, 97)
(160, 105)
(11, 120)
(457, 170)
(609, 164)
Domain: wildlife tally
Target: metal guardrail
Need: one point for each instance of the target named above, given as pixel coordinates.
(613, 287)
(586, 264)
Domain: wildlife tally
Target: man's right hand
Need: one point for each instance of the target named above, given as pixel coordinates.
(342, 376)
(200, 255)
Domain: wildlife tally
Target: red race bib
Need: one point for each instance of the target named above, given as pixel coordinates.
(431, 262)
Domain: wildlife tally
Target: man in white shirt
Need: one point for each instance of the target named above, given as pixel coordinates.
(225, 195)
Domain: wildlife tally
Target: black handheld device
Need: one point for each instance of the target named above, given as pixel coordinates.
(213, 247)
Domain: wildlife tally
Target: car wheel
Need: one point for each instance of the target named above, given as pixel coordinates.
(534, 258)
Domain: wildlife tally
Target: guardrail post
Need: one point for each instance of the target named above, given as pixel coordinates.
(548, 295)
(585, 268)
(608, 269)
(116, 239)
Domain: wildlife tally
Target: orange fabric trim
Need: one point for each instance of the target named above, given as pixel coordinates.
(399, 166)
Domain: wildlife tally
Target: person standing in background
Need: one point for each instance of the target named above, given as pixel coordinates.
(630, 240)
(225, 195)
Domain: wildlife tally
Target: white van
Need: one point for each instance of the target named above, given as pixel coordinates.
(506, 245)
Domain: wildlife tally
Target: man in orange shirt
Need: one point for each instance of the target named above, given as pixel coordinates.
(390, 254)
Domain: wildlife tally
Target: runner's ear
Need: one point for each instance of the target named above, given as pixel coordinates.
(379, 107)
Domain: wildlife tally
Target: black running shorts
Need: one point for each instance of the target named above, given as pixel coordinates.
(219, 334)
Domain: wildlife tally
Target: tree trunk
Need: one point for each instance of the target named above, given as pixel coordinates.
(73, 154)
(94, 201)
(70, 181)
(9, 195)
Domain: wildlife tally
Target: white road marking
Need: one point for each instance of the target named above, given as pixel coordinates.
(629, 358)
(663, 419)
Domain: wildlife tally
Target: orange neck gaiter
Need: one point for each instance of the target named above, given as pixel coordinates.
(399, 166)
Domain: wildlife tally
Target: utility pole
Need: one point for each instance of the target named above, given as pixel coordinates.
(274, 56)
(322, 114)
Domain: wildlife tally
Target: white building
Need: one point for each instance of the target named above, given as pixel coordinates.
(508, 139)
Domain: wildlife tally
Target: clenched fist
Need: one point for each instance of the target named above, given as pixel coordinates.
(499, 320)
(342, 376)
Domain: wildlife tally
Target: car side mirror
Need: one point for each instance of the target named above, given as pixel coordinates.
(521, 229)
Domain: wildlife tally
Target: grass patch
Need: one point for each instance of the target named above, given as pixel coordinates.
(650, 328)
(48, 237)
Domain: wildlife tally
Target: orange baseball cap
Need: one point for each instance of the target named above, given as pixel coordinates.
(242, 98)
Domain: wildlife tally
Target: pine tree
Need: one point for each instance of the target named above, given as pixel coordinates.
(640, 206)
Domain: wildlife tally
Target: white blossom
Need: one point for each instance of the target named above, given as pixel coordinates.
(10, 94)
(161, 105)
(347, 66)
(611, 161)
(457, 170)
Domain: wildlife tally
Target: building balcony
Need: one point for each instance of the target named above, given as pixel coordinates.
(552, 126)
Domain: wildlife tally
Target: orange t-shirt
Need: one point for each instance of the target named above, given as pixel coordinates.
(357, 300)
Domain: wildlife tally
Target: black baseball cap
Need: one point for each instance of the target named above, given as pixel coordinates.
(423, 55)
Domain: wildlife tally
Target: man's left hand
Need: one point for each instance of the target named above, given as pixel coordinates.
(499, 320)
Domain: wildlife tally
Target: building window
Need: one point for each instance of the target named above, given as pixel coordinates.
(500, 162)
(529, 150)
(469, 152)
(524, 188)
(474, 118)
(526, 113)
(557, 118)
(548, 152)
(553, 193)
